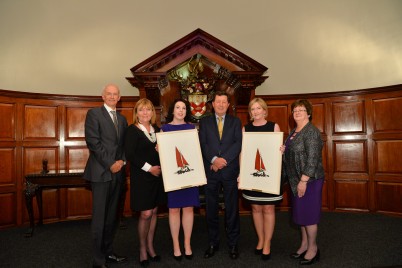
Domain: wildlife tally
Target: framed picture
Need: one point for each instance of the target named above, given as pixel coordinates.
(261, 162)
(181, 159)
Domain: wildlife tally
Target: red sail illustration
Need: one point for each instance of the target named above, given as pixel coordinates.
(181, 163)
(259, 166)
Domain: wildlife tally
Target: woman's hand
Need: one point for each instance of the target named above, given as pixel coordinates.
(302, 185)
(301, 188)
(282, 148)
(155, 170)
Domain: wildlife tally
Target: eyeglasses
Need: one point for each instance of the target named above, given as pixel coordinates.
(297, 111)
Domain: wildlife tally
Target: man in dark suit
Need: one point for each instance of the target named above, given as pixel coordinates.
(104, 135)
(220, 139)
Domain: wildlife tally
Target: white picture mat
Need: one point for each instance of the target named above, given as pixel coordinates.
(268, 144)
(187, 142)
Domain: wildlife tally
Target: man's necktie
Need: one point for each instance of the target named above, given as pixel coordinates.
(220, 126)
(115, 121)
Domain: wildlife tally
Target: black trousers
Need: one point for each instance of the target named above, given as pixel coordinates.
(232, 220)
(105, 217)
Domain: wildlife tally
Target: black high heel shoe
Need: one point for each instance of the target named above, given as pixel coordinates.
(155, 258)
(258, 251)
(297, 256)
(265, 257)
(188, 257)
(311, 261)
(144, 263)
(177, 258)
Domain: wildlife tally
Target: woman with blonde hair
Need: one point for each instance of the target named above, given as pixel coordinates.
(146, 185)
(262, 204)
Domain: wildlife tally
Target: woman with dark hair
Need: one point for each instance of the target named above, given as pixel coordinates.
(146, 185)
(184, 200)
(304, 170)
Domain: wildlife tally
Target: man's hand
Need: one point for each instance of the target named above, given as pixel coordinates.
(214, 168)
(116, 167)
(219, 163)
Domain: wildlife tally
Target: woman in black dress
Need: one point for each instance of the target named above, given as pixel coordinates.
(262, 204)
(146, 185)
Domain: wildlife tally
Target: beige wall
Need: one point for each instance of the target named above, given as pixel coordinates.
(75, 47)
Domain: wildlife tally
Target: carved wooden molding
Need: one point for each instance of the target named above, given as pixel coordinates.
(231, 69)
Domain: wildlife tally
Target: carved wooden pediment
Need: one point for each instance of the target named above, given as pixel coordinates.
(197, 58)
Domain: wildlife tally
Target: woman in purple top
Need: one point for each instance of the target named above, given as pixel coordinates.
(184, 199)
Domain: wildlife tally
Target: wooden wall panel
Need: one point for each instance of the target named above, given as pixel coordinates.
(387, 114)
(7, 121)
(389, 197)
(242, 113)
(128, 113)
(40, 122)
(386, 154)
(8, 213)
(319, 116)
(348, 117)
(350, 156)
(75, 122)
(7, 168)
(79, 203)
(76, 157)
(275, 114)
(351, 195)
(33, 157)
(51, 205)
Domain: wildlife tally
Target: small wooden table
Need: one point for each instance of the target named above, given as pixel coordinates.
(36, 183)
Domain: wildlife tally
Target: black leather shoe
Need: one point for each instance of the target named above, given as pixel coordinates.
(297, 256)
(233, 252)
(258, 251)
(100, 266)
(116, 258)
(210, 251)
(311, 261)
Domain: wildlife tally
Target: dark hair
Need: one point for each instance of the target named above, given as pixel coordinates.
(187, 118)
(221, 93)
(306, 104)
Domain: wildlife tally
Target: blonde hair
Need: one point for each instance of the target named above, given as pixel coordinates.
(261, 102)
(147, 104)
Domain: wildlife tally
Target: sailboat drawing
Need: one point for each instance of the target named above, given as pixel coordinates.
(182, 164)
(259, 166)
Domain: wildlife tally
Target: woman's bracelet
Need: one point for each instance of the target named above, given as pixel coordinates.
(303, 181)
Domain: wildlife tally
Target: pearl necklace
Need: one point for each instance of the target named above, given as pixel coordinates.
(151, 134)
